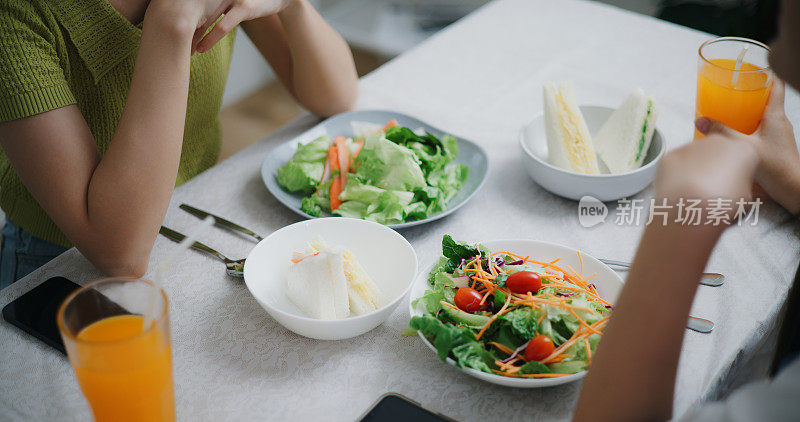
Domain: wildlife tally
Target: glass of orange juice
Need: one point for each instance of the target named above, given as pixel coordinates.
(122, 362)
(733, 82)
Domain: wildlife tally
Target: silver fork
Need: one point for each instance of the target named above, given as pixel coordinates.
(707, 279)
(700, 325)
(234, 267)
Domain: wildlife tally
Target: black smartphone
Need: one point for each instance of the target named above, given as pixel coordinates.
(35, 311)
(395, 407)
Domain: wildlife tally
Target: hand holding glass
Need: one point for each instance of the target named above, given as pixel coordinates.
(733, 82)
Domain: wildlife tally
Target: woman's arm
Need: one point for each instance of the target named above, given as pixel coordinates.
(309, 57)
(111, 207)
(632, 377)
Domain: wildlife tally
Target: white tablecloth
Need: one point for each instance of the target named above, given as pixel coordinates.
(479, 78)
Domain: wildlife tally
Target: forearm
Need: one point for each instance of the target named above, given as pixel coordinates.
(323, 75)
(640, 348)
(130, 189)
(783, 186)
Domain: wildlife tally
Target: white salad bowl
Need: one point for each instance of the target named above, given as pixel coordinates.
(604, 186)
(607, 281)
(385, 255)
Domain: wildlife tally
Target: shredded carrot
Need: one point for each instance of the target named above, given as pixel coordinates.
(483, 299)
(588, 350)
(449, 305)
(297, 256)
(494, 317)
(502, 347)
(583, 322)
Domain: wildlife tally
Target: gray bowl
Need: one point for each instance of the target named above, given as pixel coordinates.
(470, 154)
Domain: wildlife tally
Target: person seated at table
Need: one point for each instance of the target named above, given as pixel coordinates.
(105, 108)
(633, 373)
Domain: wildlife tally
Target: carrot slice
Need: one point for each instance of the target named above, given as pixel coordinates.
(343, 156)
(333, 157)
(336, 189)
(392, 123)
(331, 163)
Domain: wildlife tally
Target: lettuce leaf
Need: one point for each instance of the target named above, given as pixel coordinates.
(442, 288)
(444, 337)
(318, 202)
(567, 367)
(304, 170)
(449, 180)
(534, 367)
(473, 355)
(522, 321)
(310, 207)
(387, 165)
(456, 251)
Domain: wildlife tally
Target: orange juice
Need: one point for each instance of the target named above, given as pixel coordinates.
(125, 372)
(739, 105)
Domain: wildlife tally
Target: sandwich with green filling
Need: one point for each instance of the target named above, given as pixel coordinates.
(624, 139)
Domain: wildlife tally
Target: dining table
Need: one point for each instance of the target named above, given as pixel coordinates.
(479, 78)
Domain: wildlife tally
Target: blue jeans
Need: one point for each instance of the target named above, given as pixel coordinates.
(21, 253)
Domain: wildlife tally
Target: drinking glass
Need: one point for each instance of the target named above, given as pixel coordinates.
(734, 94)
(122, 362)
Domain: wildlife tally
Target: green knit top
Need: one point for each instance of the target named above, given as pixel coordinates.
(54, 53)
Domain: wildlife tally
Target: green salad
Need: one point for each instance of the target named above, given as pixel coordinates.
(510, 315)
(388, 174)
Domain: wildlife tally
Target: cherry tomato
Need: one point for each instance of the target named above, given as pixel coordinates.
(468, 299)
(524, 282)
(539, 348)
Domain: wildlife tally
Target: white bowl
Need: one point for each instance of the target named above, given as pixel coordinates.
(607, 281)
(605, 187)
(386, 256)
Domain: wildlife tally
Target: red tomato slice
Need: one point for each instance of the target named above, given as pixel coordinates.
(468, 299)
(524, 281)
(539, 348)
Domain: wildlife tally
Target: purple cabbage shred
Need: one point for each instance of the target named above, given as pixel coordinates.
(516, 352)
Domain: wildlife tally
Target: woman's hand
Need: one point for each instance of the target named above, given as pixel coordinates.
(714, 167)
(778, 170)
(235, 12)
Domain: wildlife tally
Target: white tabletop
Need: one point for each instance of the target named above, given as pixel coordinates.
(481, 79)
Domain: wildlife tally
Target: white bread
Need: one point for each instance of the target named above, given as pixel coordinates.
(624, 139)
(318, 287)
(569, 142)
(364, 295)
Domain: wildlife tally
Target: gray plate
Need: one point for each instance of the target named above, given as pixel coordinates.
(469, 154)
